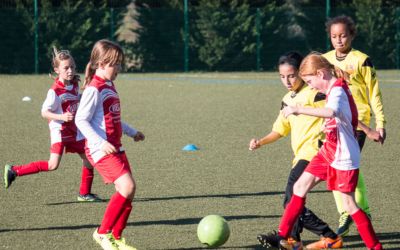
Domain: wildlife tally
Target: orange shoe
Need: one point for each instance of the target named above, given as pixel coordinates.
(326, 243)
(291, 244)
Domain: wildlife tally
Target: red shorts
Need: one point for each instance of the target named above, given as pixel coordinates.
(344, 181)
(112, 166)
(70, 147)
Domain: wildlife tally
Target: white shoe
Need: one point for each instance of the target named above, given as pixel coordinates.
(121, 243)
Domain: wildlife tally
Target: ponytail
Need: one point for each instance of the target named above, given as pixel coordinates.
(339, 73)
(89, 73)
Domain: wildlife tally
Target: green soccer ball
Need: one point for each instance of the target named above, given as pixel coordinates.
(213, 231)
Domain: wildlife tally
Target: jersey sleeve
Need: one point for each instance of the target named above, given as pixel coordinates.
(375, 97)
(128, 130)
(52, 101)
(86, 110)
(281, 124)
(336, 97)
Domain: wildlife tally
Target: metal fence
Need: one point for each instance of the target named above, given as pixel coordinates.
(173, 40)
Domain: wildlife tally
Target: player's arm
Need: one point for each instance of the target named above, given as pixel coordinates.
(51, 104)
(371, 134)
(317, 112)
(132, 132)
(375, 96)
(270, 138)
(66, 117)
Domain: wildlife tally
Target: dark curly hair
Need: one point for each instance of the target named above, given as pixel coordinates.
(346, 20)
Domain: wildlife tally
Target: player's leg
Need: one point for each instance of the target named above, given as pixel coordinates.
(85, 190)
(362, 222)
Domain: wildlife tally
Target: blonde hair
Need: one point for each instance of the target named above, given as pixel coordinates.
(104, 51)
(315, 61)
(58, 56)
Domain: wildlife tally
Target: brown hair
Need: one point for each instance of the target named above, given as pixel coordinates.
(315, 61)
(104, 51)
(58, 56)
(346, 20)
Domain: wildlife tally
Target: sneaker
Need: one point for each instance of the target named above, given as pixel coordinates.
(121, 243)
(325, 243)
(106, 241)
(269, 240)
(89, 198)
(9, 175)
(291, 244)
(345, 222)
(377, 247)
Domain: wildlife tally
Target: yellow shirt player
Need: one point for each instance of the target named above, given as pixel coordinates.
(366, 93)
(306, 135)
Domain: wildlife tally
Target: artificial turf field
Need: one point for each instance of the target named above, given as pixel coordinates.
(219, 113)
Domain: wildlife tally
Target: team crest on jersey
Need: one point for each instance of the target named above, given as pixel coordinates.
(349, 69)
(115, 108)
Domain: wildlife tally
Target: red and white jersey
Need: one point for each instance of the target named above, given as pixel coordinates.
(60, 99)
(99, 117)
(341, 149)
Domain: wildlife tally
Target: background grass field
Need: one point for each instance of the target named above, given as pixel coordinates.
(219, 113)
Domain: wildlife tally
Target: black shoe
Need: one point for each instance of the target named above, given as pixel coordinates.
(271, 239)
(9, 175)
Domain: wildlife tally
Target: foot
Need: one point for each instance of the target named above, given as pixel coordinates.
(121, 243)
(9, 175)
(326, 243)
(377, 247)
(345, 222)
(106, 241)
(88, 198)
(291, 244)
(269, 240)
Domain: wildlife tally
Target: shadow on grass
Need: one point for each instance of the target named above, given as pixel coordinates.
(228, 196)
(389, 240)
(254, 247)
(177, 222)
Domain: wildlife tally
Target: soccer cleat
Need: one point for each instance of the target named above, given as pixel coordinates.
(106, 241)
(326, 243)
(121, 243)
(269, 240)
(88, 198)
(9, 175)
(345, 222)
(290, 244)
(377, 247)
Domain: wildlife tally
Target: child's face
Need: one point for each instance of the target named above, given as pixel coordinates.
(316, 82)
(340, 37)
(111, 71)
(66, 70)
(289, 77)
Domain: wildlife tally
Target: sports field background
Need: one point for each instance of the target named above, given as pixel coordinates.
(219, 113)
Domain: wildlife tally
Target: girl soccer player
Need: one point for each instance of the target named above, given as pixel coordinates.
(305, 137)
(99, 119)
(364, 87)
(59, 109)
(337, 161)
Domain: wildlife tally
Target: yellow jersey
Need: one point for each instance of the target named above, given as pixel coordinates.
(363, 85)
(305, 130)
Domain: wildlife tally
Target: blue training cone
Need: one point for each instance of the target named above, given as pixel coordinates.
(190, 147)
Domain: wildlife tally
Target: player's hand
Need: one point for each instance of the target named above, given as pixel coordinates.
(375, 136)
(382, 133)
(139, 136)
(108, 148)
(67, 117)
(254, 144)
(290, 110)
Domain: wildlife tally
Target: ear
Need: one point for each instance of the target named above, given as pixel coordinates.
(320, 73)
(56, 70)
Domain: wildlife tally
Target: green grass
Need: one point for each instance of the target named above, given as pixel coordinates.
(219, 113)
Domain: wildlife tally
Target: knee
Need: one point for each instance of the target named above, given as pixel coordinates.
(127, 189)
(53, 165)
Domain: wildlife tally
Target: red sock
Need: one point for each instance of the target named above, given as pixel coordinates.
(31, 168)
(292, 211)
(86, 181)
(366, 230)
(113, 212)
(122, 220)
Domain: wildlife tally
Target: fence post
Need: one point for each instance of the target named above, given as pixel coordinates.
(327, 15)
(398, 38)
(258, 34)
(36, 35)
(186, 37)
(111, 24)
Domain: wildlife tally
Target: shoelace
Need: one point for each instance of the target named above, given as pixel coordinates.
(344, 219)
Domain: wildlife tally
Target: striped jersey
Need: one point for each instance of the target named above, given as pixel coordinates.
(341, 148)
(61, 99)
(305, 130)
(99, 117)
(363, 84)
